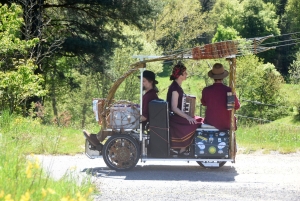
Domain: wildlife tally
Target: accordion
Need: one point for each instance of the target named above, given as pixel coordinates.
(188, 104)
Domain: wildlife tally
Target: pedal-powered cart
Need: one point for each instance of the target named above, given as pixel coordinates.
(125, 142)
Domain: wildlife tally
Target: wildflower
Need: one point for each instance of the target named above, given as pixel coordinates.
(90, 190)
(51, 191)
(2, 194)
(37, 164)
(67, 198)
(25, 197)
(44, 192)
(29, 170)
(8, 198)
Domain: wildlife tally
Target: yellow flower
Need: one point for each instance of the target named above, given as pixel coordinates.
(51, 191)
(37, 164)
(78, 194)
(28, 170)
(2, 194)
(67, 198)
(90, 190)
(44, 192)
(25, 197)
(8, 198)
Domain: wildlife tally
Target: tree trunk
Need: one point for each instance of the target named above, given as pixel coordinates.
(53, 97)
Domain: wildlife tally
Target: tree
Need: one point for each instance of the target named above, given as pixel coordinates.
(223, 34)
(180, 25)
(258, 86)
(17, 79)
(258, 19)
(226, 13)
(294, 70)
(291, 18)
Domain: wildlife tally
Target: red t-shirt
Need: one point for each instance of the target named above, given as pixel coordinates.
(214, 97)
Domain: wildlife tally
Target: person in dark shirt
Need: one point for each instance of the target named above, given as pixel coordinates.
(150, 89)
(182, 126)
(214, 97)
(149, 86)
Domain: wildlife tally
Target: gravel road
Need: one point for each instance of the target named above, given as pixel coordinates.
(253, 177)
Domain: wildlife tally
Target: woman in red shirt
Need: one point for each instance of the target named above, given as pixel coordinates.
(182, 126)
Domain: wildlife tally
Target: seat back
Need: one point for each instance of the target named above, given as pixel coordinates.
(159, 128)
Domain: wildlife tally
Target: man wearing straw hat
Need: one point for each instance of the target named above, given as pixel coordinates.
(214, 97)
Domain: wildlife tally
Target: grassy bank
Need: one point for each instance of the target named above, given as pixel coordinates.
(282, 135)
(21, 177)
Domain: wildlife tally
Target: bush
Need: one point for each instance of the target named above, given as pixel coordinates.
(258, 88)
(294, 70)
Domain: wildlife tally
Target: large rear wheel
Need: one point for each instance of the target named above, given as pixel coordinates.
(211, 164)
(121, 152)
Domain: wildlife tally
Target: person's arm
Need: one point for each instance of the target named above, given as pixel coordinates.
(145, 109)
(176, 110)
(237, 104)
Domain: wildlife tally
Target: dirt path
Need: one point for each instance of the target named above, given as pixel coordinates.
(252, 177)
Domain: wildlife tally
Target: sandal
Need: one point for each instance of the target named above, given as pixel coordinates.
(174, 151)
(184, 154)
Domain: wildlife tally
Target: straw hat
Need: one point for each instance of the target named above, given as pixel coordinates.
(218, 72)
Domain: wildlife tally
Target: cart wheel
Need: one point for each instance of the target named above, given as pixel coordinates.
(215, 164)
(121, 152)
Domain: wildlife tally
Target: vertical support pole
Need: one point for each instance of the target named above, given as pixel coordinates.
(141, 99)
(232, 76)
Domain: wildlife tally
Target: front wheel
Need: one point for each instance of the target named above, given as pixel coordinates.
(121, 152)
(214, 164)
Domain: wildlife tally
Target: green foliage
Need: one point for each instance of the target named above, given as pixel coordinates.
(12, 47)
(17, 79)
(247, 19)
(17, 86)
(226, 13)
(291, 18)
(259, 85)
(294, 70)
(179, 25)
(224, 34)
(122, 59)
(258, 19)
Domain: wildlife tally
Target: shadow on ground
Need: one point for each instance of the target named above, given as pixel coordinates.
(168, 173)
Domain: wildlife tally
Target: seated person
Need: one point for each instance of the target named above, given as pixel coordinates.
(214, 97)
(182, 126)
(149, 86)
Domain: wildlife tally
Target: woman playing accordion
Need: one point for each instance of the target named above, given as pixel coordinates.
(182, 126)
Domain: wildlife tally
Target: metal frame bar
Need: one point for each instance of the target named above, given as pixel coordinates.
(184, 159)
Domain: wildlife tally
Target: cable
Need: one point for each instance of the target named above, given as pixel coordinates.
(263, 44)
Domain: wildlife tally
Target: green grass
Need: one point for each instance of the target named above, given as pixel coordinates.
(282, 135)
(292, 92)
(44, 139)
(21, 177)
